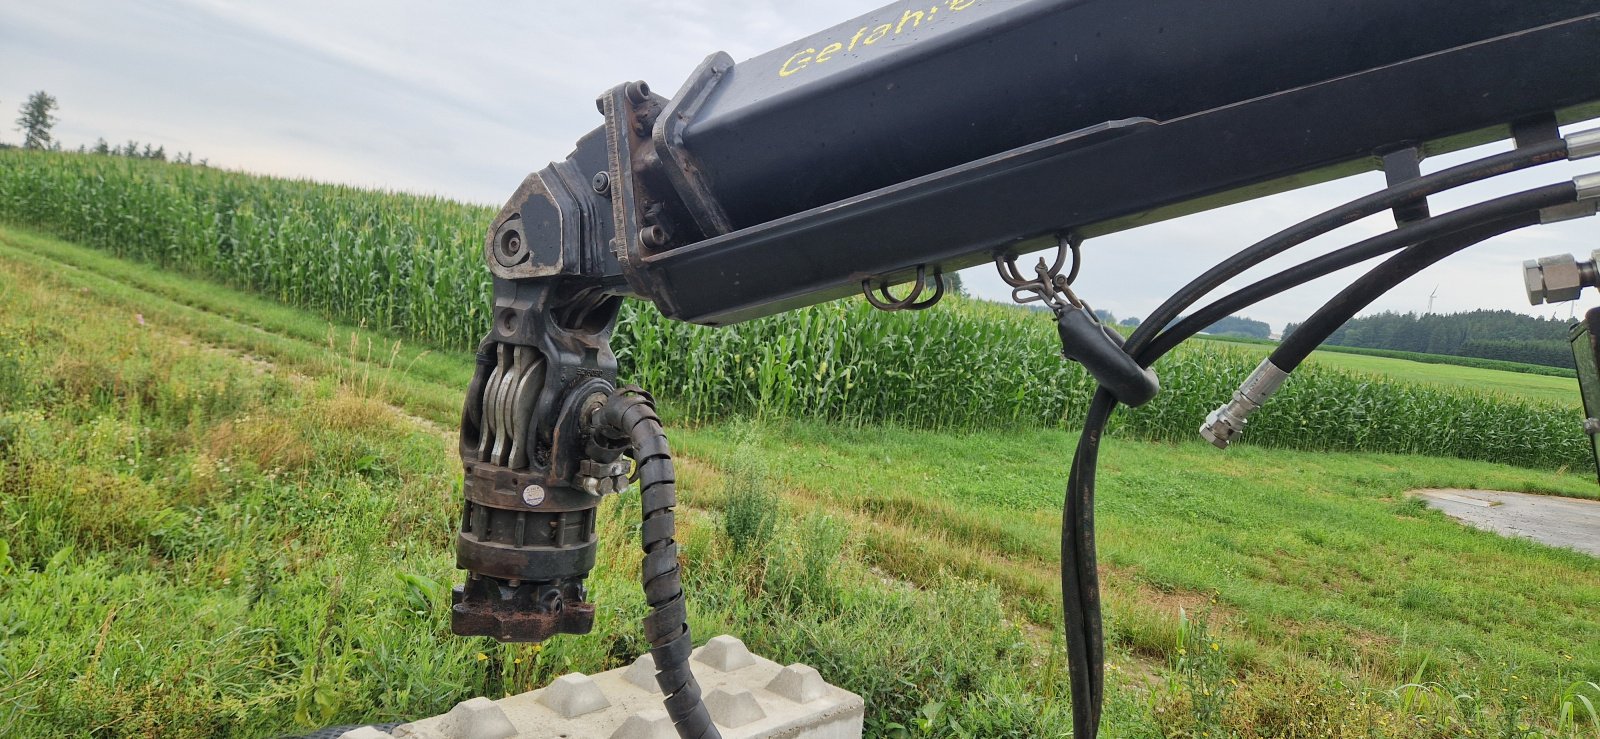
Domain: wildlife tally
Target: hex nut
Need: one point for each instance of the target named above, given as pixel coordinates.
(1553, 279)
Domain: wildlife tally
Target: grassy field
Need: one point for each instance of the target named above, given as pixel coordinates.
(410, 266)
(223, 516)
(1562, 390)
(1419, 357)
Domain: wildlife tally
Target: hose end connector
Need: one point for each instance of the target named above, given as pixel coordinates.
(1226, 423)
(1559, 278)
(1583, 144)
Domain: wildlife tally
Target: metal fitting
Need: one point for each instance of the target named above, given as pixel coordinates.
(638, 92)
(1559, 278)
(1583, 144)
(598, 478)
(1226, 423)
(1588, 186)
(1587, 202)
(653, 237)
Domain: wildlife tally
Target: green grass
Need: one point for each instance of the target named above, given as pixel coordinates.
(1420, 357)
(412, 266)
(220, 521)
(1554, 390)
(199, 542)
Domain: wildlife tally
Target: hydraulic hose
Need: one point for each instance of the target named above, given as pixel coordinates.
(1523, 205)
(1381, 279)
(1520, 158)
(1227, 422)
(1080, 580)
(1440, 235)
(629, 415)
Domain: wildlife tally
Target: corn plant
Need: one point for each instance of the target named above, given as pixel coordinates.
(412, 266)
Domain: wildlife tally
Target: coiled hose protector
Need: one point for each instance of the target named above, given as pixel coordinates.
(629, 415)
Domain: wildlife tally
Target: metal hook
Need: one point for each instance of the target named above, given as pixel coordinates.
(913, 300)
(1048, 284)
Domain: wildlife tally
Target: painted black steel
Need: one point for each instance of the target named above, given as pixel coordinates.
(1128, 173)
(947, 82)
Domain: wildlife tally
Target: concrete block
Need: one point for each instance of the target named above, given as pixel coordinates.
(733, 707)
(799, 683)
(415, 731)
(725, 653)
(364, 732)
(649, 724)
(477, 718)
(642, 674)
(574, 695)
(748, 696)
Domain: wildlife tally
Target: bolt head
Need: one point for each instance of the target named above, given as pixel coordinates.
(601, 183)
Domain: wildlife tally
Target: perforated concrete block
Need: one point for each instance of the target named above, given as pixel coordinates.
(799, 683)
(649, 724)
(477, 718)
(364, 732)
(725, 653)
(414, 731)
(733, 706)
(642, 674)
(574, 695)
(748, 696)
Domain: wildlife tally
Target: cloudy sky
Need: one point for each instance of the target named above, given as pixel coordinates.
(462, 99)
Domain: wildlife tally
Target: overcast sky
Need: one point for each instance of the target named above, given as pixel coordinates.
(462, 99)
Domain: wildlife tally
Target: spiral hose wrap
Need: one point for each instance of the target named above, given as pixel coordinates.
(629, 415)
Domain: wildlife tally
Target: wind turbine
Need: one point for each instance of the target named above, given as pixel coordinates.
(1431, 296)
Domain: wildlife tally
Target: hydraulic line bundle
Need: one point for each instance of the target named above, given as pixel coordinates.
(922, 138)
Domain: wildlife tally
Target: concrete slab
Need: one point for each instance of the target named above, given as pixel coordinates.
(750, 697)
(1570, 523)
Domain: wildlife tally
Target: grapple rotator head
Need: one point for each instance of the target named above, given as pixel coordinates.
(528, 548)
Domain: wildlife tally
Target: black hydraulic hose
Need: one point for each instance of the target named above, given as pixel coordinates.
(1517, 205)
(630, 414)
(1080, 580)
(1520, 158)
(1381, 279)
(1079, 577)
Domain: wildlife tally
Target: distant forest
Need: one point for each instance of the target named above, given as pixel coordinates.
(1488, 334)
(1240, 326)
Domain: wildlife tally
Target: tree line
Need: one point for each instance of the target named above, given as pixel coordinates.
(1486, 334)
(37, 119)
(1241, 326)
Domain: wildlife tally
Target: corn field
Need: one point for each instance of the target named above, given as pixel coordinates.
(412, 266)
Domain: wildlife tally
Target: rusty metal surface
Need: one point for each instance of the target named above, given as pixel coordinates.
(530, 612)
